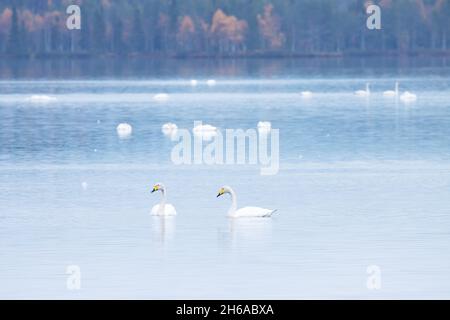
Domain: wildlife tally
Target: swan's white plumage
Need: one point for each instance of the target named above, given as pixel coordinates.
(194, 83)
(169, 210)
(41, 99)
(391, 93)
(169, 129)
(163, 208)
(124, 130)
(363, 93)
(408, 96)
(245, 212)
(252, 212)
(306, 94)
(161, 97)
(264, 127)
(205, 131)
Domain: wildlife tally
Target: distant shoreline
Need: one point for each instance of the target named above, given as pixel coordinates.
(248, 55)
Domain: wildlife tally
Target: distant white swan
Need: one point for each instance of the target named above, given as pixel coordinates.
(211, 82)
(408, 96)
(363, 93)
(205, 131)
(163, 208)
(250, 212)
(161, 97)
(41, 98)
(124, 130)
(306, 94)
(194, 83)
(264, 127)
(169, 129)
(391, 93)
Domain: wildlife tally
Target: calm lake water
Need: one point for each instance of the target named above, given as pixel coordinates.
(362, 181)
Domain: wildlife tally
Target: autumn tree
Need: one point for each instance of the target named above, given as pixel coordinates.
(269, 27)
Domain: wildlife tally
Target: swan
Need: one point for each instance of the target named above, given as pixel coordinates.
(163, 208)
(306, 94)
(41, 99)
(250, 212)
(264, 127)
(194, 83)
(205, 131)
(363, 93)
(408, 96)
(211, 82)
(391, 93)
(169, 129)
(161, 97)
(124, 130)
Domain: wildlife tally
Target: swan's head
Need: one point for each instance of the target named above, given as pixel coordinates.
(223, 190)
(158, 187)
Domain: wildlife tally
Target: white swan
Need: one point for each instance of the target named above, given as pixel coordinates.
(161, 97)
(163, 208)
(391, 93)
(41, 98)
(408, 97)
(211, 82)
(124, 130)
(306, 94)
(194, 83)
(205, 131)
(363, 93)
(169, 129)
(264, 127)
(250, 212)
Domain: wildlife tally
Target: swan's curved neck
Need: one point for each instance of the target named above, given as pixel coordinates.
(233, 207)
(162, 203)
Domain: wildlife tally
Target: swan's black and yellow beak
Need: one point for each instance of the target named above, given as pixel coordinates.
(221, 192)
(155, 188)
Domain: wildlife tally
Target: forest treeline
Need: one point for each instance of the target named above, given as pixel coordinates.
(222, 27)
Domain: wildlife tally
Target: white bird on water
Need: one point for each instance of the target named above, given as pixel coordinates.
(249, 212)
(306, 94)
(124, 130)
(205, 131)
(363, 93)
(194, 83)
(408, 96)
(163, 208)
(211, 82)
(161, 97)
(41, 98)
(169, 129)
(264, 127)
(391, 93)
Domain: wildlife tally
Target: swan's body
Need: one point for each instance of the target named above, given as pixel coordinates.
(363, 93)
(161, 97)
(408, 96)
(306, 94)
(194, 83)
(391, 93)
(211, 82)
(169, 129)
(205, 131)
(163, 208)
(248, 212)
(41, 99)
(264, 127)
(124, 130)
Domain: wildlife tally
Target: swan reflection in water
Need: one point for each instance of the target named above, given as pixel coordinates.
(163, 228)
